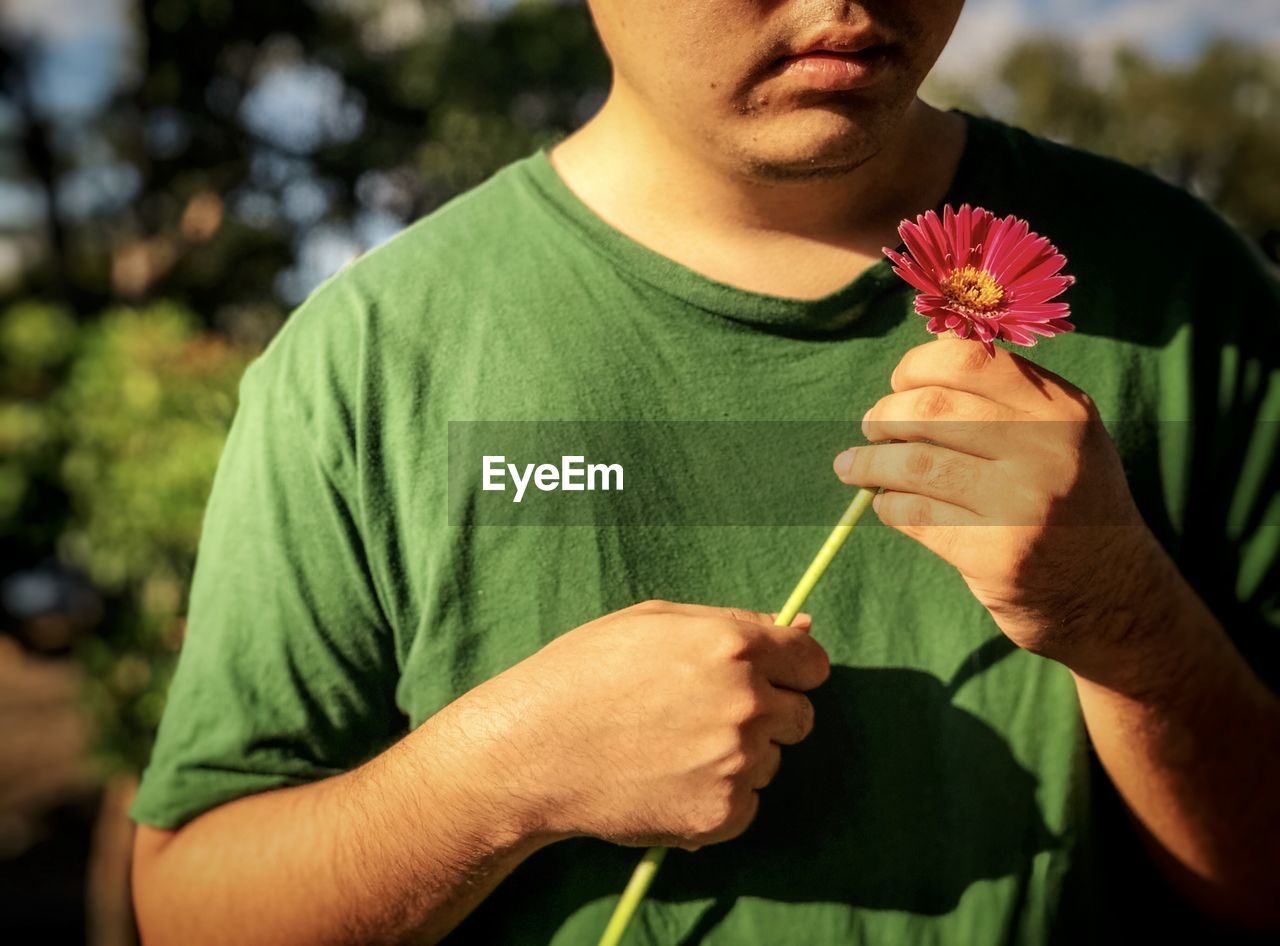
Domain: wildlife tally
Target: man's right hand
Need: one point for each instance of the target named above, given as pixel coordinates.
(654, 725)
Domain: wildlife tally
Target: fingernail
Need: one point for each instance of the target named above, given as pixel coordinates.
(844, 462)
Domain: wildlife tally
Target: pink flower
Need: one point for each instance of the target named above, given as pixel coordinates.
(983, 277)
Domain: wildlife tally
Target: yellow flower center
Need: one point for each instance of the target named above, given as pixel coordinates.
(974, 289)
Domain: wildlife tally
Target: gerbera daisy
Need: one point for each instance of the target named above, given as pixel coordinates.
(983, 277)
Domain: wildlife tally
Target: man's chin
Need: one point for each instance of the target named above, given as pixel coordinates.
(809, 164)
(816, 145)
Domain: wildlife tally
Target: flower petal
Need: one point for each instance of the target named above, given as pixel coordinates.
(911, 271)
(1040, 312)
(1016, 334)
(1042, 291)
(1046, 267)
(923, 248)
(1016, 259)
(1040, 328)
(1004, 232)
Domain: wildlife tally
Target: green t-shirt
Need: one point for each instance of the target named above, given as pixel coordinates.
(348, 587)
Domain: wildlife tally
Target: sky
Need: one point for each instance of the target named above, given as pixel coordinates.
(1168, 29)
(80, 44)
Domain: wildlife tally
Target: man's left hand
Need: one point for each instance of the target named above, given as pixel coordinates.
(1005, 470)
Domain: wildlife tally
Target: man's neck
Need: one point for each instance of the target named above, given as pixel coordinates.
(801, 239)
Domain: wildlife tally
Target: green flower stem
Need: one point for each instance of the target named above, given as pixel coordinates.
(639, 883)
(645, 871)
(861, 501)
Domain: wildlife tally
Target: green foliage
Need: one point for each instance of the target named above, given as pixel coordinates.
(37, 340)
(109, 436)
(1211, 125)
(146, 407)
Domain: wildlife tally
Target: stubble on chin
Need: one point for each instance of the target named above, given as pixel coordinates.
(794, 155)
(800, 170)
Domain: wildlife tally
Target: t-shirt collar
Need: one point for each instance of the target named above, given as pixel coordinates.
(838, 310)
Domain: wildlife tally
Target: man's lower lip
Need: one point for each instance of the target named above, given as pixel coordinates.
(834, 72)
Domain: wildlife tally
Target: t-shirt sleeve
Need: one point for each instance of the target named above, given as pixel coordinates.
(288, 670)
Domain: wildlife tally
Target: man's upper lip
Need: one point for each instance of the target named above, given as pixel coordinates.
(836, 41)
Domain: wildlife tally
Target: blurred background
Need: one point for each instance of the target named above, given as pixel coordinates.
(177, 175)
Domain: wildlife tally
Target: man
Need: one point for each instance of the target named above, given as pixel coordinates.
(707, 248)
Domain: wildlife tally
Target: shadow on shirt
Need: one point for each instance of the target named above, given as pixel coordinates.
(898, 800)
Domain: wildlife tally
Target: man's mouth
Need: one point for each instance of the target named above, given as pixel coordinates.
(834, 59)
(834, 70)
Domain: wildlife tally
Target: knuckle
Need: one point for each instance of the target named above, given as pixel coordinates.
(919, 461)
(650, 606)
(951, 475)
(917, 512)
(698, 827)
(731, 643)
(701, 831)
(715, 813)
(726, 813)
(973, 358)
(932, 403)
(746, 709)
(737, 763)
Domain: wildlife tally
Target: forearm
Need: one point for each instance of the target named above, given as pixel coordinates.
(399, 850)
(1191, 738)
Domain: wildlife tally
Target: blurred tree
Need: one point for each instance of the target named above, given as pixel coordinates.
(1211, 126)
(247, 150)
(37, 341)
(146, 406)
(237, 157)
